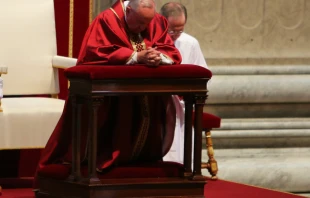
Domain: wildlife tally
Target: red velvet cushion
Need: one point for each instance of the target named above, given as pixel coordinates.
(154, 170)
(137, 71)
(209, 121)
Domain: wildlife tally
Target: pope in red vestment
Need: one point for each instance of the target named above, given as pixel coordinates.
(131, 128)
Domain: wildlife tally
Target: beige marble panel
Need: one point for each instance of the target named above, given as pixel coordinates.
(250, 29)
(253, 29)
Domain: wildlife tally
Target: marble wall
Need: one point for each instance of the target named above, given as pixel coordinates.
(239, 31)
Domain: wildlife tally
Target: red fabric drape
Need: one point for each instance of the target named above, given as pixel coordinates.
(80, 25)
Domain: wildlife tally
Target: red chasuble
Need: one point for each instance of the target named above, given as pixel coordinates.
(107, 39)
(131, 128)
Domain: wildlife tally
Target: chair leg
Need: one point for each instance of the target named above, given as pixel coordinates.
(1, 110)
(212, 163)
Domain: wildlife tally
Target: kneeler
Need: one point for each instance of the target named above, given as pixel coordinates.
(153, 179)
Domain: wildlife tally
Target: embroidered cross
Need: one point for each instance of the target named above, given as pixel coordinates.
(138, 42)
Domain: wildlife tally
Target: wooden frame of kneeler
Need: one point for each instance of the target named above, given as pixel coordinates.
(88, 87)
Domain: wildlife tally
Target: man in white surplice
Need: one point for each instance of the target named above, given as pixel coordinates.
(189, 47)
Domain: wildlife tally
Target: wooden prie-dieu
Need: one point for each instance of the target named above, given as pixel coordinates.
(90, 84)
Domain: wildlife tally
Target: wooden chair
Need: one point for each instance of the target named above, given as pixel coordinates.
(29, 60)
(209, 122)
(90, 84)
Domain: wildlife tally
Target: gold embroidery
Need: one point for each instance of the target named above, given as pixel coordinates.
(71, 15)
(122, 3)
(90, 14)
(115, 13)
(137, 42)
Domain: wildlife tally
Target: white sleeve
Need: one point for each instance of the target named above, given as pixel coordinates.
(198, 57)
(165, 60)
(133, 59)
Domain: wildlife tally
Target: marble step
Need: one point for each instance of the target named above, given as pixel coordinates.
(261, 138)
(260, 133)
(264, 123)
(262, 89)
(285, 169)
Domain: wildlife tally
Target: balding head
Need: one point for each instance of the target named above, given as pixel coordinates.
(173, 9)
(176, 15)
(139, 13)
(136, 4)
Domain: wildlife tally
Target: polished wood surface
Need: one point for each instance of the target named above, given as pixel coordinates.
(92, 93)
(152, 187)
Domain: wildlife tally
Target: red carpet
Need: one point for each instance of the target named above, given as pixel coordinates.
(20, 166)
(227, 189)
(214, 189)
(17, 193)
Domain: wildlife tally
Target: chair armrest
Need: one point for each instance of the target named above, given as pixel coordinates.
(1, 88)
(62, 62)
(3, 70)
(1, 92)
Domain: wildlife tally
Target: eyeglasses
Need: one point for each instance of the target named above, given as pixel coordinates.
(172, 32)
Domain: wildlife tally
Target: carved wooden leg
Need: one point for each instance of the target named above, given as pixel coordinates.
(78, 140)
(1, 110)
(187, 160)
(212, 163)
(199, 103)
(76, 169)
(92, 142)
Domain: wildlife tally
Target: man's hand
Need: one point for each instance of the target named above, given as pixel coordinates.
(150, 57)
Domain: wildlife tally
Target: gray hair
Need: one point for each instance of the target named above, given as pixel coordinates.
(135, 4)
(173, 9)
